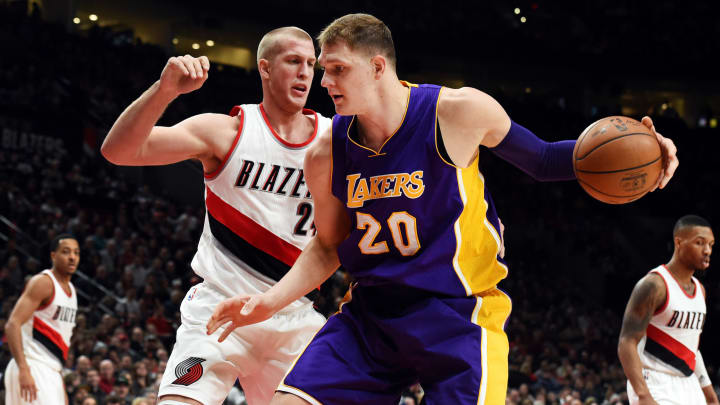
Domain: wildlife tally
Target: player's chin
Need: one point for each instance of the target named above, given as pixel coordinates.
(298, 101)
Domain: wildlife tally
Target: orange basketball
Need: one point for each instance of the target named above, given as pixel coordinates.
(617, 160)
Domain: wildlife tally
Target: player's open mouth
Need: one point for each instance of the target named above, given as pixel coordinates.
(300, 89)
(336, 97)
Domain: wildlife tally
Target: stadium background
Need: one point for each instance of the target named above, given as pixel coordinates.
(556, 66)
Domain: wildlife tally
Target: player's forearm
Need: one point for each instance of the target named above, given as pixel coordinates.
(710, 395)
(14, 338)
(130, 131)
(544, 161)
(627, 353)
(315, 265)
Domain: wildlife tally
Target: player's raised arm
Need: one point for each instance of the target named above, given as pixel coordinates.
(134, 140)
(470, 118)
(315, 264)
(38, 291)
(648, 295)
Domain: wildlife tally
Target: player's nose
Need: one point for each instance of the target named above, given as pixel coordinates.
(325, 82)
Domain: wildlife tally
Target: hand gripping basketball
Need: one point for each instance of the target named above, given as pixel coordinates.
(618, 160)
(183, 74)
(669, 154)
(239, 311)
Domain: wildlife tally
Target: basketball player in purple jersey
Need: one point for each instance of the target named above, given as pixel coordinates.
(402, 205)
(658, 345)
(258, 218)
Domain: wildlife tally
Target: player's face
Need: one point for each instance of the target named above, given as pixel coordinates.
(696, 247)
(347, 76)
(67, 256)
(291, 72)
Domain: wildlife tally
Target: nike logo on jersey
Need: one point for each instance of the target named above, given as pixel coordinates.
(385, 186)
(687, 320)
(272, 178)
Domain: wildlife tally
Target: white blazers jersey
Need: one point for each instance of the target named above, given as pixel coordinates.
(46, 336)
(673, 334)
(259, 212)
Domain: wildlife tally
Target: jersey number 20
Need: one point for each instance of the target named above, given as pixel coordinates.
(407, 242)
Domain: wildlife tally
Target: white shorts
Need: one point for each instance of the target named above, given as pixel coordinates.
(49, 383)
(667, 389)
(258, 355)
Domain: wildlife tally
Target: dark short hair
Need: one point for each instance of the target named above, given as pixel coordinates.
(56, 241)
(362, 32)
(689, 221)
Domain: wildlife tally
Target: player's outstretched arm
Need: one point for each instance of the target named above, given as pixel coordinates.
(470, 118)
(38, 291)
(134, 140)
(648, 295)
(316, 263)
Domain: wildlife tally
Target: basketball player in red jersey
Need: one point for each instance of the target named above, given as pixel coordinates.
(663, 320)
(39, 330)
(259, 214)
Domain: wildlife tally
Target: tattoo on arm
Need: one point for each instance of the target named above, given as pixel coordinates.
(644, 300)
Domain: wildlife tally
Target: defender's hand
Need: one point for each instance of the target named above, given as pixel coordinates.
(239, 311)
(183, 74)
(28, 390)
(669, 155)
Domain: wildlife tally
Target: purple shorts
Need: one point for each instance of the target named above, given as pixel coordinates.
(388, 338)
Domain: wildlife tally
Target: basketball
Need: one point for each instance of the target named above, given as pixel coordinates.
(617, 160)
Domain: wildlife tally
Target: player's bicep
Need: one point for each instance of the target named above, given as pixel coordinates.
(646, 297)
(192, 138)
(37, 292)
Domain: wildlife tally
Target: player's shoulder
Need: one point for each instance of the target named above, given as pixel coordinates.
(320, 152)
(469, 104)
(652, 283)
(40, 284)
(450, 97)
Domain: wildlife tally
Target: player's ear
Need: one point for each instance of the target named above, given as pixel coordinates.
(379, 64)
(676, 242)
(264, 68)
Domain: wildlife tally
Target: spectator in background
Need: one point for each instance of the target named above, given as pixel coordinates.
(107, 375)
(82, 366)
(96, 390)
(121, 389)
(140, 378)
(114, 400)
(90, 401)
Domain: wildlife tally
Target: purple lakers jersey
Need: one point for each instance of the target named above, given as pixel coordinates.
(416, 219)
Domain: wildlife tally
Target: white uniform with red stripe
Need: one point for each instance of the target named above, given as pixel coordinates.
(669, 347)
(259, 218)
(46, 338)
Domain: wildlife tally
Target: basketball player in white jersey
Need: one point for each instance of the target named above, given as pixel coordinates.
(39, 330)
(259, 214)
(663, 320)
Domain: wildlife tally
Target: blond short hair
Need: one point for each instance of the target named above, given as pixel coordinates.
(270, 44)
(361, 32)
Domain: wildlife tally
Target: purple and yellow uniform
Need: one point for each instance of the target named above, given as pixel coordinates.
(423, 247)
